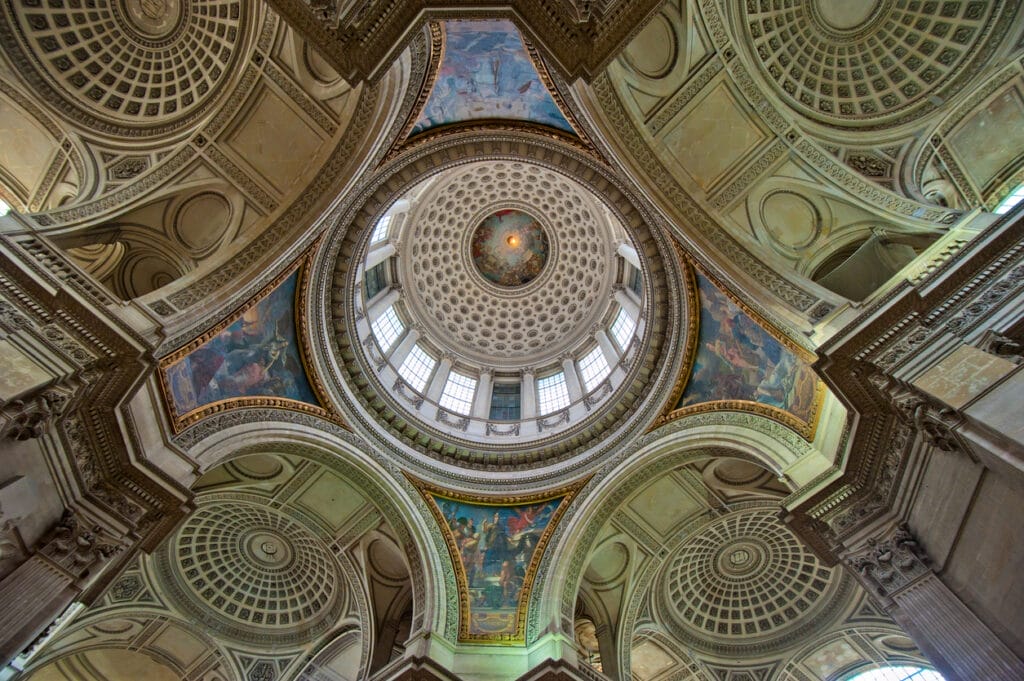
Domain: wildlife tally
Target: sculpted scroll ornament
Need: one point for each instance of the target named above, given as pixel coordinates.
(934, 422)
(76, 549)
(892, 564)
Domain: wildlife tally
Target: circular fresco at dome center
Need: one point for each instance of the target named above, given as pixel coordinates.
(509, 248)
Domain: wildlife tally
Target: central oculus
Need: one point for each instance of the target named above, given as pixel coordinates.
(509, 248)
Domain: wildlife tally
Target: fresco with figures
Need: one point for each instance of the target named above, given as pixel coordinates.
(496, 546)
(256, 355)
(737, 359)
(509, 248)
(485, 72)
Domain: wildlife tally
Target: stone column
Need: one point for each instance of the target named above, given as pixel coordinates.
(626, 301)
(896, 570)
(382, 303)
(41, 588)
(378, 254)
(482, 398)
(405, 346)
(436, 385)
(528, 397)
(629, 254)
(572, 379)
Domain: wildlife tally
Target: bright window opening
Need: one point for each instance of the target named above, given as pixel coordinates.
(623, 328)
(5, 208)
(416, 368)
(898, 674)
(1007, 204)
(552, 393)
(506, 401)
(380, 232)
(458, 393)
(387, 328)
(594, 367)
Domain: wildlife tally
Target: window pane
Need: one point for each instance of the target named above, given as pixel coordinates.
(552, 393)
(898, 674)
(416, 368)
(506, 400)
(594, 367)
(387, 328)
(634, 281)
(1015, 197)
(376, 279)
(458, 393)
(623, 328)
(380, 232)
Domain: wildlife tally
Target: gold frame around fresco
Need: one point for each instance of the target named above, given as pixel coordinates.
(567, 494)
(437, 51)
(180, 422)
(806, 429)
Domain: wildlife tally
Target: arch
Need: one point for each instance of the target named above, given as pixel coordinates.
(743, 436)
(425, 552)
(111, 629)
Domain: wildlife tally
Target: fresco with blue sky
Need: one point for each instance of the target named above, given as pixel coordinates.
(485, 72)
(737, 359)
(256, 355)
(496, 546)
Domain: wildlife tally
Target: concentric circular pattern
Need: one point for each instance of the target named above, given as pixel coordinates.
(745, 576)
(846, 64)
(509, 248)
(255, 566)
(136, 62)
(488, 323)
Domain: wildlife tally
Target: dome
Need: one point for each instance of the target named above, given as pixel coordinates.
(253, 571)
(498, 311)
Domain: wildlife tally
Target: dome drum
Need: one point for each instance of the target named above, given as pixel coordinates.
(503, 312)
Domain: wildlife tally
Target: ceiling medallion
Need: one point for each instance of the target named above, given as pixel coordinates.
(509, 248)
(153, 18)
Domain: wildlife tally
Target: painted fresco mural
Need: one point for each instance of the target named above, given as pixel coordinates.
(496, 546)
(737, 359)
(486, 72)
(509, 248)
(257, 354)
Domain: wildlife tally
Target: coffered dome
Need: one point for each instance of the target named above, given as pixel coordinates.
(722, 586)
(498, 312)
(850, 63)
(253, 571)
(146, 65)
(498, 303)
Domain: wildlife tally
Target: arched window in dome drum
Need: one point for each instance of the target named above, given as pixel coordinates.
(623, 328)
(416, 368)
(635, 282)
(387, 329)
(594, 368)
(458, 393)
(380, 232)
(376, 280)
(552, 393)
(506, 401)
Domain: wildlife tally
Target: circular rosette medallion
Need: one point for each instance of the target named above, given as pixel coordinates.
(509, 248)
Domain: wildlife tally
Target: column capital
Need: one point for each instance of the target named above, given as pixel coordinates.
(892, 562)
